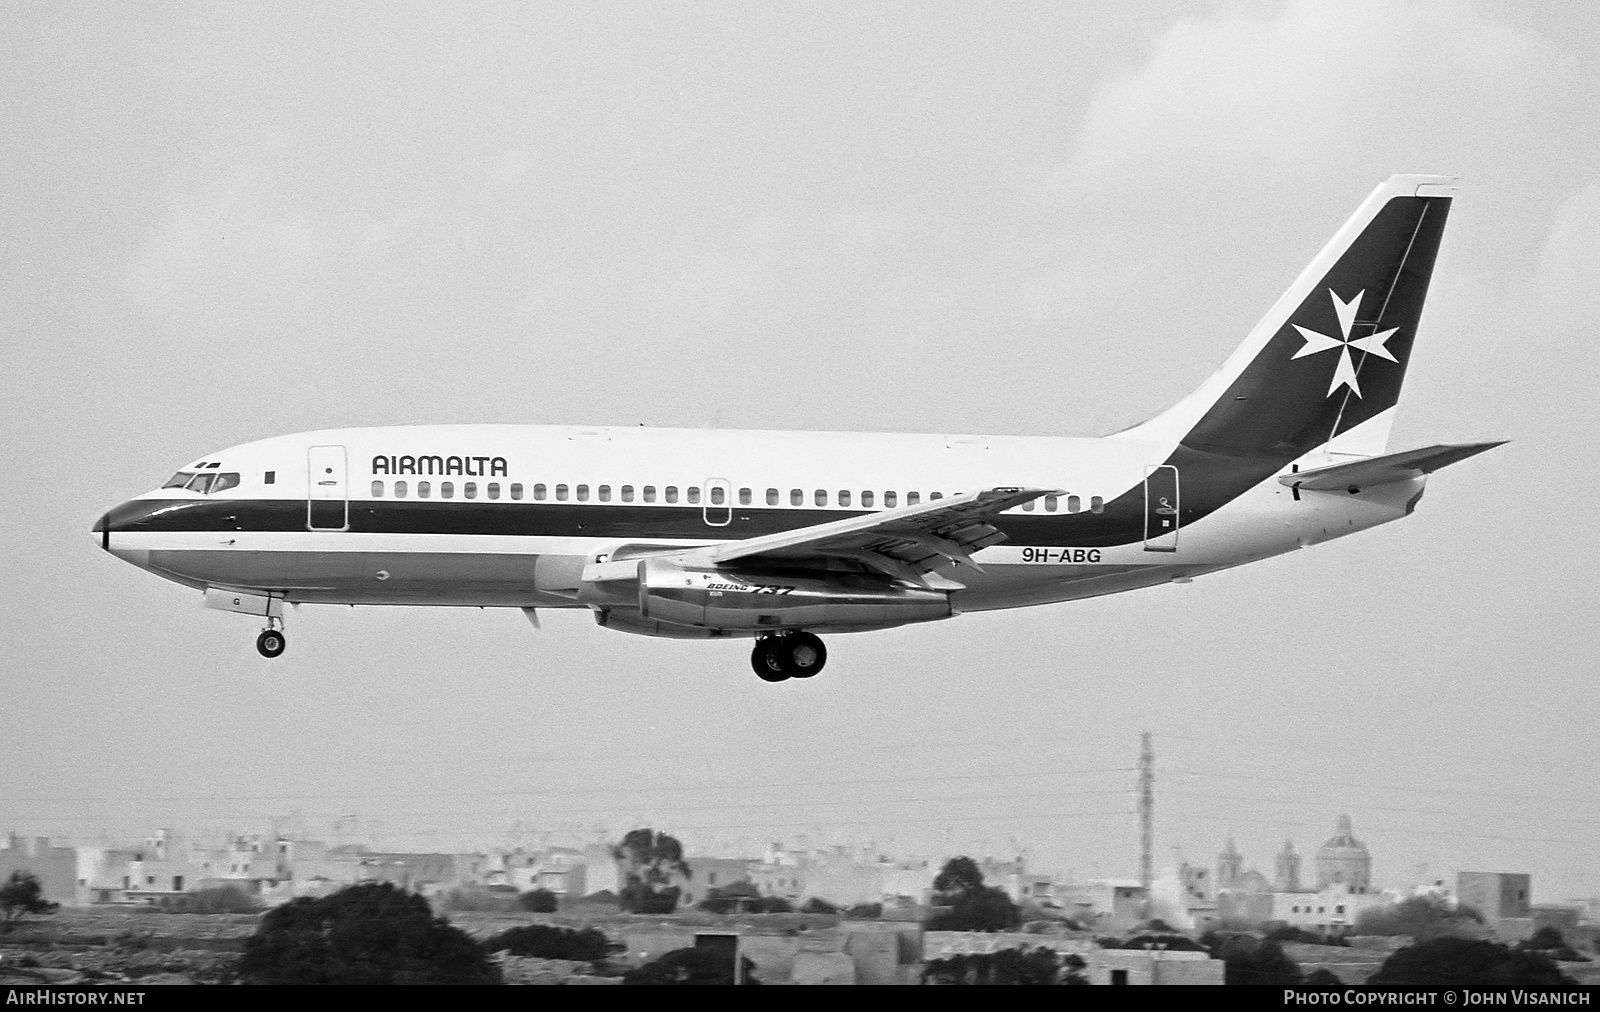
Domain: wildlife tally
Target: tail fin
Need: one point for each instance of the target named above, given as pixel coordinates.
(1324, 366)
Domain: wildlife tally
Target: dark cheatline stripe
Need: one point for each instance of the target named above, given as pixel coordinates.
(587, 520)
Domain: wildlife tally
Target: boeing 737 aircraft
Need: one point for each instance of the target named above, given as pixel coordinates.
(786, 536)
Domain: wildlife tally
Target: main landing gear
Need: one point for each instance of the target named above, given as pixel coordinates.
(792, 655)
(271, 642)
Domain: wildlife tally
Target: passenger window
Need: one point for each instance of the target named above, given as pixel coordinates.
(377, 490)
(583, 493)
(844, 497)
(935, 495)
(1027, 507)
(718, 495)
(561, 493)
(889, 499)
(672, 493)
(399, 490)
(227, 479)
(1049, 504)
(866, 498)
(1096, 504)
(447, 490)
(744, 497)
(1074, 504)
(539, 491)
(772, 497)
(469, 490)
(270, 478)
(649, 493)
(797, 497)
(913, 498)
(821, 497)
(605, 493)
(692, 494)
(423, 488)
(494, 490)
(627, 493)
(516, 490)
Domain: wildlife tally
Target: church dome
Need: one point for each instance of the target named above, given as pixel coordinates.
(1344, 862)
(1343, 843)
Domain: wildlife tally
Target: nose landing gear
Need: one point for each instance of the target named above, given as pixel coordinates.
(271, 642)
(793, 655)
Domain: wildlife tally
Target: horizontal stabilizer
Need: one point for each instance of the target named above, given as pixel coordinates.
(1381, 470)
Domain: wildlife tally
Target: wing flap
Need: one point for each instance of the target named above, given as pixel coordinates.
(1400, 466)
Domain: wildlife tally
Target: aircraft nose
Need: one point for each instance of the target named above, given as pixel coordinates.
(113, 522)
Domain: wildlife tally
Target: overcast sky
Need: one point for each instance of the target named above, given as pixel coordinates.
(225, 222)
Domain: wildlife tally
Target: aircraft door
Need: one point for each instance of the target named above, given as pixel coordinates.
(1161, 516)
(327, 495)
(717, 506)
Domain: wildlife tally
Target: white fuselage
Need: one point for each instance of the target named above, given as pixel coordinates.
(511, 514)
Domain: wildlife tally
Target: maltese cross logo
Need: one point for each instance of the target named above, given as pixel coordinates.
(1344, 374)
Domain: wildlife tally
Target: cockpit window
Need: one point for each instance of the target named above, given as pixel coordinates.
(204, 482)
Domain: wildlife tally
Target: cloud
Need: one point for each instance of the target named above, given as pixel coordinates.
(1299, 86)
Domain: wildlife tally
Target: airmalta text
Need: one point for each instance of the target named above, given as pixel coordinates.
(478, 467)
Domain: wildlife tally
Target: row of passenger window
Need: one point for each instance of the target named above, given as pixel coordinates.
(716, 495)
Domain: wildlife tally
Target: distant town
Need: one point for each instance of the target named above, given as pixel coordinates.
(1323, 893)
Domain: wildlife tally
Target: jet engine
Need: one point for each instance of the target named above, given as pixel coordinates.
(775, 600)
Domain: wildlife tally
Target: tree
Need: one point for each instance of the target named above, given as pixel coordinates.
(818, 905)
(691, 966)
(1464, 961)
(972, 905)
(546, 941)
(732, 898)
(20, 896)
(1248, 960)
(1422, 917)
(648, 859)
(371, 933)
(1007, 966)
(538, 901)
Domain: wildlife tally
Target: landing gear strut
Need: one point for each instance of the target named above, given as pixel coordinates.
(793, 655)
(271, 642)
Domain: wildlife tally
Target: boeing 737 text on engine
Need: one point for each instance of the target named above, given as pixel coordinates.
(787, 536)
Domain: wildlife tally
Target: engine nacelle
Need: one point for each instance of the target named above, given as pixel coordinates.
(780, 599)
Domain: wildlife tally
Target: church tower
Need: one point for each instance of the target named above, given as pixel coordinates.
(1288, 878)
(1230, 866)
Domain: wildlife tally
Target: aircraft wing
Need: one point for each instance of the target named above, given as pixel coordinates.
(1354, 476)
(907, 543)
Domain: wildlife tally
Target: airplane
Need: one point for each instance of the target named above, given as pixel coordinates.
(785, 537)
